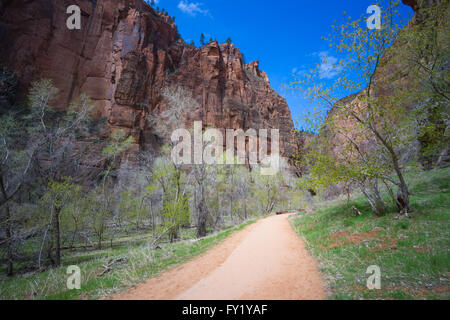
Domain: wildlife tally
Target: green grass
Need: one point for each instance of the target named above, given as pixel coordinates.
(143, 263)
(413, 254)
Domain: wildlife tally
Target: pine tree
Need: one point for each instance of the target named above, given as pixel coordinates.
(202, 39)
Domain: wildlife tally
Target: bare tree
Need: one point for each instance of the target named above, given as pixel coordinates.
(179, 103)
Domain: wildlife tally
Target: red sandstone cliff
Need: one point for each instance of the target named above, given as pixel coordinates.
(124, 55)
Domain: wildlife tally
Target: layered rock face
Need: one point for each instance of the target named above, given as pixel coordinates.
(124, 56)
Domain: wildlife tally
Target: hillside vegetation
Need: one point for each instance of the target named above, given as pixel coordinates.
(139, 263)
(412, 253)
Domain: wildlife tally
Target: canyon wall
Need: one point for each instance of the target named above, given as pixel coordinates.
(124, 56)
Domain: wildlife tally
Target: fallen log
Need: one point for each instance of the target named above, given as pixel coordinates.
(356, 211)
(109, 267)
(79, 247)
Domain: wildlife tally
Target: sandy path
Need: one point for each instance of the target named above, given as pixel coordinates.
(264, 261)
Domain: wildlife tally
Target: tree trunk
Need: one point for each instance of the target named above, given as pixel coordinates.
(153, 217)
(202, 215)
(403, 204)
(403, 193)
(74, 235)
(230, 209)
(99, 244)
(442, 156)
(245, 208)
(173, 234)
(10, 266)
(57, 238)
(374, 198)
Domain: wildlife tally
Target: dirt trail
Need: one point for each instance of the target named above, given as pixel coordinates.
(265, 261)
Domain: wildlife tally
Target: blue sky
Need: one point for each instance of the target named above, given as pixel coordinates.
(284, 35)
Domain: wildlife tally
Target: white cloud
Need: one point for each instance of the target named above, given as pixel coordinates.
(328, 68)
(192, 8)
(299, 71)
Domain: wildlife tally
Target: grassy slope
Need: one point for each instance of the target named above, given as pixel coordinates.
(413, 254)
(142, 264)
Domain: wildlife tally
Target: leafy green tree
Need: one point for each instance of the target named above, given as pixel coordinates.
(58, 196)
(229, 174)
(98, 211)
(37, 147)
(201, 175)
(74, 220)
(229, 41)
(372, 129)
(175, 210)
(119, 142)
(14, 167)
(131, 206)
(243, 189)
(268, 190)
